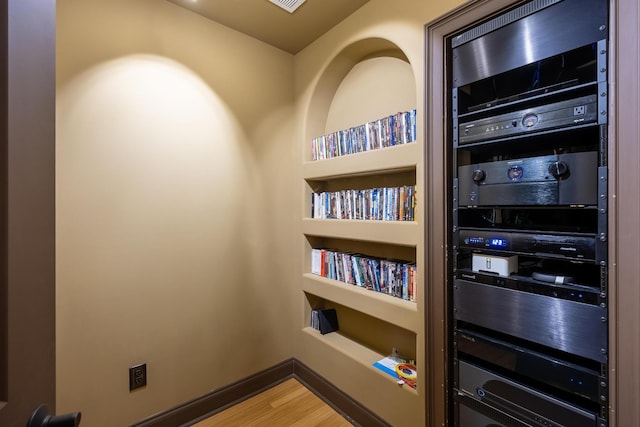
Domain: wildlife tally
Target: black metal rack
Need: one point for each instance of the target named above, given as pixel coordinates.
(528, 275)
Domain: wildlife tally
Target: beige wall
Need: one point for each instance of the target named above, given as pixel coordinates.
(176, 198)
(173, 234)
(388, 81)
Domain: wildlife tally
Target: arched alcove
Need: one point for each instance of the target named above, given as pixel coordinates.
(376, 60)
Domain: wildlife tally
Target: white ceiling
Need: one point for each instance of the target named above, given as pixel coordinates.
(270, 23)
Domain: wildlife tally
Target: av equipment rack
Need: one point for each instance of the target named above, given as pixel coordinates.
(527, 101)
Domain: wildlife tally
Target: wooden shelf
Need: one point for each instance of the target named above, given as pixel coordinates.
(385, 160)
(405, 233)
(393, 310)
(362, 358)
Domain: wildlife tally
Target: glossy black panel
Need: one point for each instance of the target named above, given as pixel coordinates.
(533, 38)
(564, 325)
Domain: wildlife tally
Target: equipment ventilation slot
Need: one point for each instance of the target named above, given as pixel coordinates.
(501, 21)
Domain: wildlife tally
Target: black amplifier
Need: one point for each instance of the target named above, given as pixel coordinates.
(523, 406)
(556, 286)
(569, 326)
(564, 179)
(571, 112)
(574, 246)
(568, 377)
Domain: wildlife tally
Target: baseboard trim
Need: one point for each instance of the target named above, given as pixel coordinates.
(218, 400)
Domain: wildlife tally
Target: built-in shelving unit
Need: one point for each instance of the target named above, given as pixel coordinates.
(371, 323)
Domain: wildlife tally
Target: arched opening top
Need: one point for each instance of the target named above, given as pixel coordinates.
(372, 57)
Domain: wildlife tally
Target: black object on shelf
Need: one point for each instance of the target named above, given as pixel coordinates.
(328, 320)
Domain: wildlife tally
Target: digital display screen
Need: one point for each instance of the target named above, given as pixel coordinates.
(515, 173)
(497, 243)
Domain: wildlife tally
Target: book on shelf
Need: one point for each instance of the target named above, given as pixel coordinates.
(382, 204)
(317, 262)
(392, 277)
(395, 129)
(324, 320)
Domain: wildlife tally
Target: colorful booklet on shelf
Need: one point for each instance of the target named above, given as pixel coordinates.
(387, 365)
(402, 371)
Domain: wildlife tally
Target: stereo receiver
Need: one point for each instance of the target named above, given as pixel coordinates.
(571, 112)
(565, 179)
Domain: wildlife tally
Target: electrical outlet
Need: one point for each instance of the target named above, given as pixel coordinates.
(137, 376)
(579, 111)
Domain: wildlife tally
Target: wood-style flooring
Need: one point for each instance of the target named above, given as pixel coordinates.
(287, 404)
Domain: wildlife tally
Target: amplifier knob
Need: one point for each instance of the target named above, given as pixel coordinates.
(559, 169)
(530, 120)
(478, 175)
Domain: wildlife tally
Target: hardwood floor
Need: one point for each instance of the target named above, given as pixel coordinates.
(287, 404)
